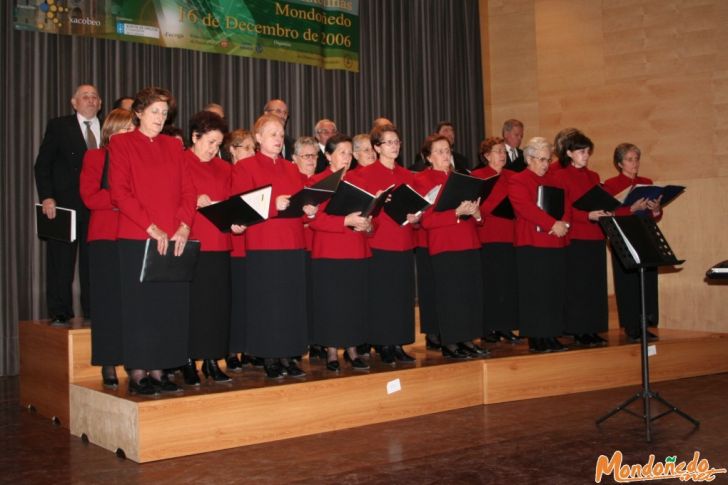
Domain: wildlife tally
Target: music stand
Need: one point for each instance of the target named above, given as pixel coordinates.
(639, 244)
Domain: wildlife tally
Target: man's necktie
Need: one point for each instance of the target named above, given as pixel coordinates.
(90, 137)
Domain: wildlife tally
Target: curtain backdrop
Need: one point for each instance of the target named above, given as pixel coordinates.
(420, 64)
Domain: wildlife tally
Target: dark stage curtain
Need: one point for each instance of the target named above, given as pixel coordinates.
(420, 64)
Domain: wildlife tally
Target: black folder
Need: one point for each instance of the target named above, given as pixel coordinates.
(596, 199)
(668, 193)
(244, 209)
(349, 198)
(314, 195)
(61, 228)
(458, 189)
(504, 209)
(168, 267)
(550, 200)
(405, 200)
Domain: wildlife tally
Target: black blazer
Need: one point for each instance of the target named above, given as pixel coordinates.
(519, 164)
(288, 147)
(58, 165)
(321, 162)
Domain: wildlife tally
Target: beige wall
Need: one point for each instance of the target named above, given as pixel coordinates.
(654, 73)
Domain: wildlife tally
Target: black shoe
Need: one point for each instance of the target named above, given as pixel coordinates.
(508, 336)
(472, 349)
(555, 345)
(60, 321)
(402, 356)
(633, 335)
(143, 388)
(233, 364)
(108, 376)
(258, 362)
(316, 352)
(386, 353)
(357, 363)
(292, 369)
(245, 360)
(432, 342)
(364, 350)
(453, 352)
(651, 337)
(273, 368)
(582, 340)
(169, 373)
(165, 386)
(491, 337)
(189, 373)
(333, 365)
(212, 371)
(598, 340)
(538, 345)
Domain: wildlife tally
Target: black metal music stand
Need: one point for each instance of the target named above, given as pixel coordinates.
(639, 244)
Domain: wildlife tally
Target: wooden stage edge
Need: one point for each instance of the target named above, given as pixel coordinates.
(252, 409)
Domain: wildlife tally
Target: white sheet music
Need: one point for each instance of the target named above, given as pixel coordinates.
(629, 246)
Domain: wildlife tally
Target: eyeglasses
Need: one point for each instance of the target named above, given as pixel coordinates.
(282, 112)
(540, 159)
(327, 132)
(308, 156)
(392, 143)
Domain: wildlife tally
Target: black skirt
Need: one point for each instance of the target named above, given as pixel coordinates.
(500, 287)
(391, 306)
(587, 309)
(237, 305)
(155, 315)
(276, 303)
(339, 288)
(209, 336)
(627, 291)
(541, 274)
(426, 292)
(105, 289)
(459, 289)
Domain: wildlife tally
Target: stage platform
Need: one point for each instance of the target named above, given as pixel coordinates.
(57, 381)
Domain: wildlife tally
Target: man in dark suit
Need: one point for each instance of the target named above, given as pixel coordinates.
(278, 107)
(57, 172)
(323, 130)
(513, 135)
(459, 161)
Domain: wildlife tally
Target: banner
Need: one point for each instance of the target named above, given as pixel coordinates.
(323, 33)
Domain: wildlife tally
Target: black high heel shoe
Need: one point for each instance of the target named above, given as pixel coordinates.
(233, 364)
(356, 363)
(432, 342)
(212, 371)
(108, 376)
(453, 353)
(402, 356)
(142, 388)
(333, 365)
(189, 373)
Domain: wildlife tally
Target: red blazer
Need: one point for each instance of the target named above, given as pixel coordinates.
(150, 183)
(104, 220)
(495, 229)
(214, 179)
(388, 235)
(617, 184)
(577, 182)
(523, 191)
(331, 238)
(445, 232)
(273, 234)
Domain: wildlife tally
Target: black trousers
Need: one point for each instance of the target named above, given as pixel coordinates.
(60, 269)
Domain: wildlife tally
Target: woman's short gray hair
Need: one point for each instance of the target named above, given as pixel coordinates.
(536, 144)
